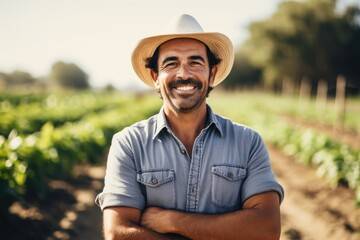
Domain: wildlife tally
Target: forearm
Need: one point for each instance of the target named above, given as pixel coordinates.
(247, 224)
(124, 223)
(259, 219)
(132, 231)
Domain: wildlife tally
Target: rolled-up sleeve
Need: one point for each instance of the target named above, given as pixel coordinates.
(121, 187)
(260, 177)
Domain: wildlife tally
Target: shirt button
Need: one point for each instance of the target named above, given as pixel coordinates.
(193, 189)
(154, 180)
(183, 151)
(229, 174)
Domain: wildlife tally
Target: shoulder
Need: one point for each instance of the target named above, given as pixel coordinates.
(232, 128)
(141, 129)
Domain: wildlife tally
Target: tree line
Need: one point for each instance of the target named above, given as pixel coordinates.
(308, 41)
(304, 43)
(61, 76)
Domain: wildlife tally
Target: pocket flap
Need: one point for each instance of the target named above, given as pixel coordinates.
(230, 173)
(155, 178)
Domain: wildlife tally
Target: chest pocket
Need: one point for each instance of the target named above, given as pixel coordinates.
(160, 187)
(226, 185)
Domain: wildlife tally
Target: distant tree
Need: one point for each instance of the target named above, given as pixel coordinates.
(17, 78)
(243, 74)
(3, 80)
(68, 76)
(109, 87)
(307, 39)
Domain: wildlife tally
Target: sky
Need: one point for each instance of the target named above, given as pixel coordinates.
(99, 36)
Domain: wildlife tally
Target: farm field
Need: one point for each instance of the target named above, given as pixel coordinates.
(53, 150)
(317, 164)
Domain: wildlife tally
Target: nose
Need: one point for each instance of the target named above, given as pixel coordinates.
(183, 72)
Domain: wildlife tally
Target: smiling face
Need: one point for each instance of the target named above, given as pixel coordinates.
(183, 76)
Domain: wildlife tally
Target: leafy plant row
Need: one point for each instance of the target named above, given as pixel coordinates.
(24, 98)
(305, 109)
(337, 162)
(29, 118)
(27, 162)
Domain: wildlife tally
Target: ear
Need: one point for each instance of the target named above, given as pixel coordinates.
(213, 72)
(154, 76)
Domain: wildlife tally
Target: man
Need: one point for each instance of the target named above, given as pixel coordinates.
(187, 172)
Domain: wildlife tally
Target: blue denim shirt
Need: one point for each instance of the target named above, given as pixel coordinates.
(149, 166)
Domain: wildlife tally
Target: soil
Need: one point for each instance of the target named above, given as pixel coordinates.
(311, 209)
(68, 212)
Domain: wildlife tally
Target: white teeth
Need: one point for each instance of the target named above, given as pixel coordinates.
(185, 88)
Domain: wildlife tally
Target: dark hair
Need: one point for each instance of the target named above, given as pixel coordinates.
(152, 62)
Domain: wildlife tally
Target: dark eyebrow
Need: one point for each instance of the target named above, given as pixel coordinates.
(197, 57)
(168, 59)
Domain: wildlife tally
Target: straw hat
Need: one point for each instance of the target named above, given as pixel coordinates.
(184, 26)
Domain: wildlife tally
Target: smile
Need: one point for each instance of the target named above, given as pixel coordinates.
(185, 89)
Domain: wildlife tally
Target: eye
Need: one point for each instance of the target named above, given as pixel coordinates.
(195, 63)
(170, 64)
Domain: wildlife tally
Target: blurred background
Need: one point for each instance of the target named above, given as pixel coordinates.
(67, 85)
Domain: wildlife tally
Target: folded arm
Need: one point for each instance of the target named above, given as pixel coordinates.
(123, 223)
(259, 219)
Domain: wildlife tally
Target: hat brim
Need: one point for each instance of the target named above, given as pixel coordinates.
(218, 43)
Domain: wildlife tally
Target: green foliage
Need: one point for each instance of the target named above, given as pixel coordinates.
(306, 39)
(58, 109)
(9, 99)
(27, 162)
(305, 110)
(243, 73)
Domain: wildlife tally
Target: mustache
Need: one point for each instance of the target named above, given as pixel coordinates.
(192, 81)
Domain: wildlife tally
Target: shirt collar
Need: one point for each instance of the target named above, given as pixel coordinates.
(213, 120)
(161, 121)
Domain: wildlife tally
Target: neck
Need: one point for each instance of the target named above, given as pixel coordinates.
(186, 126)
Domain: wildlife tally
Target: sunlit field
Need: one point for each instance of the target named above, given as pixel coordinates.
(53, 146)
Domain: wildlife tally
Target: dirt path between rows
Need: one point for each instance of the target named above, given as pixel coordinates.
(311, 209)
(347, 137)
(68, 212)
(84, 219)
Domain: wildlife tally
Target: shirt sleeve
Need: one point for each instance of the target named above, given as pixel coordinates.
(121, 187)
(260, 177)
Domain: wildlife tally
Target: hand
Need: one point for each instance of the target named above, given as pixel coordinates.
(158, 219)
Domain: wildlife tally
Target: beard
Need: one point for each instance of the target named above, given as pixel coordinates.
(184, 103)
